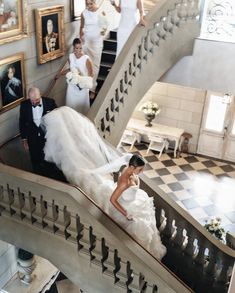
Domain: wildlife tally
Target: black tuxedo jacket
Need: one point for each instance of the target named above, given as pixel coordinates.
(28, 128)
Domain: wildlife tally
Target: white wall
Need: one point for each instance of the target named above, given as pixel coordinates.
(180, 107)
(212, 67)
(8, 264)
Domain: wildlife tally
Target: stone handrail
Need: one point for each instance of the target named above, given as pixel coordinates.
(64, 226)
(197, 254)
(148, 54)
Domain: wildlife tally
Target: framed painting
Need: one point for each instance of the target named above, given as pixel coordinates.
(12, 81)
(77, 7)
(50, 33)
(13, 20)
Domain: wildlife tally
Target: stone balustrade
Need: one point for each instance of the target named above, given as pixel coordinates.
(33, 214)
(199, 259)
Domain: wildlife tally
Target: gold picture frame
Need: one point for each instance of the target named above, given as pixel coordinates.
(12, 81)
(13, 20)
(50, 33)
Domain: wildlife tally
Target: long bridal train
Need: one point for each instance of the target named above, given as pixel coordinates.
(73, 143)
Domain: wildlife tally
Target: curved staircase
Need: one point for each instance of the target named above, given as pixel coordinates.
(149, 52)
(61, 223)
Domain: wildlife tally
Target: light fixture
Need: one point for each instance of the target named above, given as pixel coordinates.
(226, 99)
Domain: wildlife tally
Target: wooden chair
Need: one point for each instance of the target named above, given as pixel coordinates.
(157, 143)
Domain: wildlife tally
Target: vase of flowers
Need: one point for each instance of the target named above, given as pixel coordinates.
(214, 227)
(150, 111)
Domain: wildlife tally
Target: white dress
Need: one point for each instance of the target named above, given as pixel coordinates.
(76, 98)
(93, 40)
(73, 143)
(128, 21)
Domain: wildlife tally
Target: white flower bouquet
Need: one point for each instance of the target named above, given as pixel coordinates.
(214, 227)
(75, 78)
(150, 108)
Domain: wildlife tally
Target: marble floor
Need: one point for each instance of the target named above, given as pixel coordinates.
(203, 186)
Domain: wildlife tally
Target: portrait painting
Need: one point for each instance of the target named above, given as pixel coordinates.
(12, 81)
(13, 20)
(77, 7)
(50, 33)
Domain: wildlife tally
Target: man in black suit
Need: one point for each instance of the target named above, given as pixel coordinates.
(32, 134)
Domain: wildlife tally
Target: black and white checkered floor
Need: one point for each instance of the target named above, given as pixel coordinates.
(203, 186)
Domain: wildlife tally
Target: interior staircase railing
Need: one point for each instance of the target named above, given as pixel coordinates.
(57, 221)
(150, 51)
(192, 253)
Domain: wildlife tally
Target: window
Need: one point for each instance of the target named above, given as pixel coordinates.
(218, 20)
(216, 114)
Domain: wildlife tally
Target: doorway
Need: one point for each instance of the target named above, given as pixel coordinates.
(217, 134)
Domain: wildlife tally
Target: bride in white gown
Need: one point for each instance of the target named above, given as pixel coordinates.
(73, 143)
(129, 19)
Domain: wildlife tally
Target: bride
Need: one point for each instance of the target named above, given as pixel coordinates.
(73, 143)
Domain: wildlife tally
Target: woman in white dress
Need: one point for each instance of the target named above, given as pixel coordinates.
(91, 33)
(76, 97)
(73, 143)
(129, 19)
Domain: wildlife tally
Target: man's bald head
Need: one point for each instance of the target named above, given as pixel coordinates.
(34, 95)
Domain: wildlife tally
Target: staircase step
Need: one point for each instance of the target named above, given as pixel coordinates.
(113, 35)
(108, 56)
(104, 69)
(110, 45)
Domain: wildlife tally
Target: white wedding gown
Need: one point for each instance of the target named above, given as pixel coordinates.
(73, 143)
(129, 19)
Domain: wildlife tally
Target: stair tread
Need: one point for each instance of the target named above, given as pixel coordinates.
(106, 64)
(101, 77)
(110, 40)
(109, 52)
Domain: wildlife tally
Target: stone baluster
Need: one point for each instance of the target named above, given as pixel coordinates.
(39, 212)
(75, 230)
(7, 199)
(142, 283)
(92, 240)
(62, 222)
(168, 231)
(155, 289)
(130, 276)
(226, 265)
(211, 267)
(18, 204)
(160, 30)
(51, 216)
(178, 240)
(190, 246)
(28, 208)
(105, 254)
(117, 266)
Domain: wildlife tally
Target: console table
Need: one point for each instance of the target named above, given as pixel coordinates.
(171, 133)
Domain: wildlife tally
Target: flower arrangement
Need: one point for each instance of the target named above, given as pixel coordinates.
(214, 227)
(150, 108)
(75, 78)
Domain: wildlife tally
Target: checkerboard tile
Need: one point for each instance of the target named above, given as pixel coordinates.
(201, 185)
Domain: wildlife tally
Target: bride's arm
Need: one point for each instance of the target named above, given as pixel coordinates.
(117, 7)
(115, 196)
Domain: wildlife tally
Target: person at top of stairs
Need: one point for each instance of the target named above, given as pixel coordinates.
(92, 31)
(129, 19)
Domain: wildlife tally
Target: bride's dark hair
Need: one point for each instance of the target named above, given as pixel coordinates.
(136, 161)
